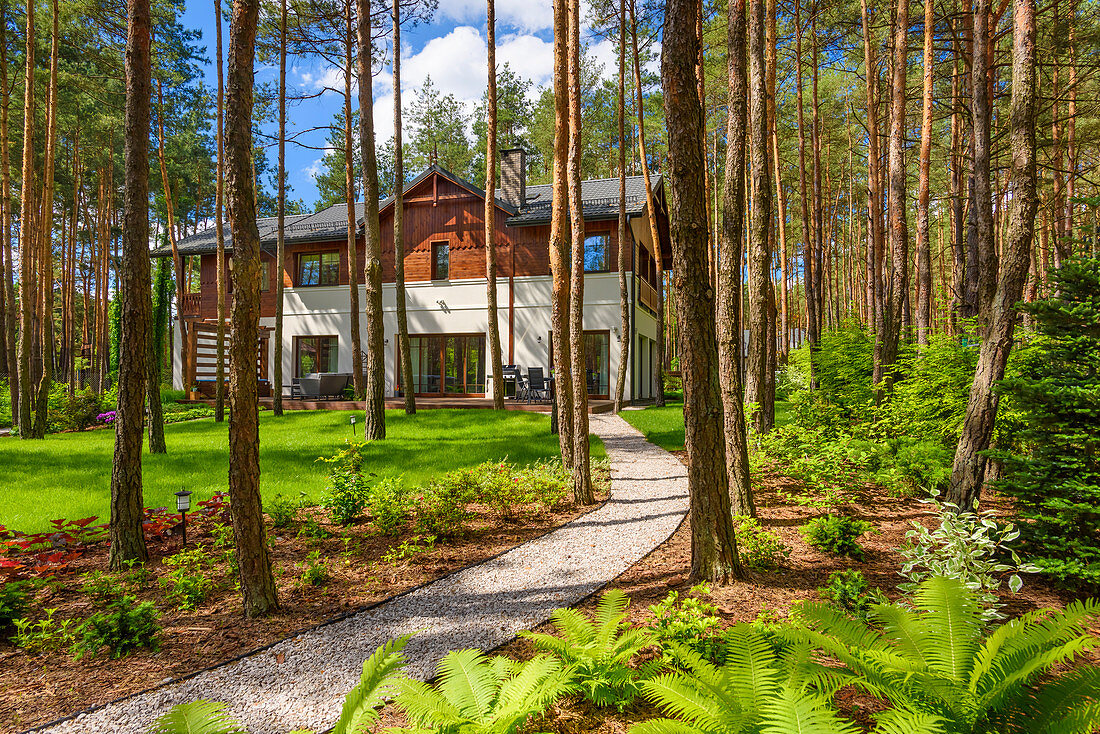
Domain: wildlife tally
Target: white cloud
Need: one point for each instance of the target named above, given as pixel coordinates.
(524, 15)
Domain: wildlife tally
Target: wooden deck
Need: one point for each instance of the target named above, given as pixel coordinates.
(422, 403)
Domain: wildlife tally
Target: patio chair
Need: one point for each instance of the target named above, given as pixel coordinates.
(536, 385)
(332, 384)
(309, 386)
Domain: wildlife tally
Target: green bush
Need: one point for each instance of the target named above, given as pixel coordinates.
(1054, 474)
(13, 602)
(908, 466)
(44, 635)
(836, 534)
(442, 505)
(848, 591)
(759, 548)
(390, 505)
(168, 395)
(124, 627)
(187, 581)
(689, 623)
(102, 587)
(346, 497)
(315, 572)
(547, 482)
(282, 510)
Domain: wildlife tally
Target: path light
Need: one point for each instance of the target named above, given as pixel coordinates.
(353, 426)
(183, 504)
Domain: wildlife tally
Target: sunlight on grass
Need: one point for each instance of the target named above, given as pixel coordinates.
(69, 475)
(665, 426)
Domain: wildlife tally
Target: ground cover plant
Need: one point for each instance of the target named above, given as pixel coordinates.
(68, 475)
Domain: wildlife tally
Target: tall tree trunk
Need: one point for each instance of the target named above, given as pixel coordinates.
(875, 235)
(924, 255)
(818, 254)
(219, 204)
(651, 209)
(896, 203)
(713, 540)
(26, 239)
(624, 237)
(958, 225)
(560, 237)
(409, 390)
(968, 472)
(257, 581)
(349, 185)
(985, 266)
(8, 284)
(495, 361)
(729, 267)
(582, 476)
(374, 421)
(760, 193)
(126, 534)
(810, 334)
(158, 323)
(280, 230)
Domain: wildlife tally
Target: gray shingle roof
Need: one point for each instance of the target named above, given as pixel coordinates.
(600, 201)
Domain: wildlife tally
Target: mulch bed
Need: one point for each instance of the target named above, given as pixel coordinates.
(39, 688)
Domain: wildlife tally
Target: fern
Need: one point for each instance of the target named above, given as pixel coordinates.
(600, 650)
(380, 671)
(476, 694)
(196, 717)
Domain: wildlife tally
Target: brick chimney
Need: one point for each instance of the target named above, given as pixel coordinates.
(513, 176)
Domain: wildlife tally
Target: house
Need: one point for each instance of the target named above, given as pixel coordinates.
(445, 286)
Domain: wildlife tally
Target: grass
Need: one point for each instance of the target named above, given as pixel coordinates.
(665, 426)
(69, 475)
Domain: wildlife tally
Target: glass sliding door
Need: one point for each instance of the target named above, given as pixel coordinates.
(597, 362)
(447, 364)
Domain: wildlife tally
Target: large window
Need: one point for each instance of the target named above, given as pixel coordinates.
(448, 364)
(315, 354)
(596, 253)
(441, 261)
(597, 362)
(319, 268)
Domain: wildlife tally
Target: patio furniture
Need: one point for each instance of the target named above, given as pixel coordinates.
(332, 384)
(536, 385)
(510, 373)
(308, 386)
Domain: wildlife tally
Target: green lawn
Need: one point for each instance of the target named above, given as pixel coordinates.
(665, 426)
(69, 475)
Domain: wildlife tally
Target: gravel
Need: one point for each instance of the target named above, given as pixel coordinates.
(482, 606)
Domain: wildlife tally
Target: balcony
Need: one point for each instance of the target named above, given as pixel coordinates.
(192, 304)
(647, 296)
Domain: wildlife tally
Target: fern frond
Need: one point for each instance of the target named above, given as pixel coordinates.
(468, 682)
(680, 696)
(574, 627)
(668, 726)
(908, 631)
(425, 706)
(379, 672)
(790, 712)
(750, 666)
(952, 616)
(610, 612)
(196, 717)
(536, 684)
(1063, 704)
(904, 721)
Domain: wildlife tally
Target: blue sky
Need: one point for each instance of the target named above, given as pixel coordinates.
(451, 49)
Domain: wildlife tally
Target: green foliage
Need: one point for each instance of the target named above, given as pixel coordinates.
(282, 510)
(756, 690)
(13, 602)
(476, 694)
(970, 547)
(408, 549)
(759, 548)
(936, 661)
(313, 529)
(390, 505)
(836, 534)
(315, 572)
(124, 627)
(442, 504)
(848, 591)
(600, 651)
(380, 672)
(187, 581)
(689, 623)
(102, 587)
(843, 364)
(827, 462)
(44, 635)
(346, 497)
(907, 466)
(1055, 477)
(196, 717)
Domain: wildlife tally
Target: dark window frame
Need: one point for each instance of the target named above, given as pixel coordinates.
(437, 245)
(317, 338)
(320, 255)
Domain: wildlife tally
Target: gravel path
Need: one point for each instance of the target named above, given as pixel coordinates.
(482, 606)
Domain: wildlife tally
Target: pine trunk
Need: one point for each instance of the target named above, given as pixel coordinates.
(219, 205)
(495, 362)
(8, 274)
(924, 255)
(623, 263)
(408, 389)
(26, 238)
(349, 186)
(280, 231)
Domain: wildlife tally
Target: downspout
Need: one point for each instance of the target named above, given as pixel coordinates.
(632, 356)
(512, 302)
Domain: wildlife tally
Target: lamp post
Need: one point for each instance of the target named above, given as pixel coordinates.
(183, 504)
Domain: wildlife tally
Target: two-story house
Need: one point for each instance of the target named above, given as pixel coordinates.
(445, 286)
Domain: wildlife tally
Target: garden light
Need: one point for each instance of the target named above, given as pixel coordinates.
(183, 504)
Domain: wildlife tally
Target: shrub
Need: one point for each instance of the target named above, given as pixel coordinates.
(1054, 476)
(390, 505)
(187, 581)
(848, 591)
(600, 651)
(970, 547)
(282, 510)
(44, 635)
(124, 627)
(346, 497)
(408, 549)
(102, 587)
(836, 534)
(315, 572)
(689, 623)
(13, 602)
(442, 507)
(906, 466)
(759, 548)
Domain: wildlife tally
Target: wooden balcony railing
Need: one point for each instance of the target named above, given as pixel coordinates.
(192, 303)
(647, 296)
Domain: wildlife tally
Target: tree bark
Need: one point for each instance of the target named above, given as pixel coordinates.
(408, 390)
(818, 197)
(713, 541)
(984, 266)
(26, 238)
(875, 234)
(8, 284)
(760, 193)
(729, 267)
(968, 472)
(349, 185)
(810, 335)
(280, 228)
(126, 535)
(560, 237)
(495, 361)
(219, 224)
(625, 239)
(582, 476)
(374, 421)
(924, 256)
(257, 581)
